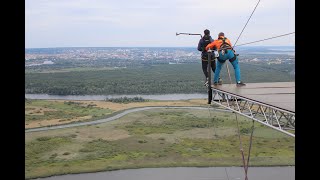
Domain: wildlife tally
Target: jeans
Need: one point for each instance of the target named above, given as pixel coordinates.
(222, 59)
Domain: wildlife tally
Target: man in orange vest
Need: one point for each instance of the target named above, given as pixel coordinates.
(226, 52)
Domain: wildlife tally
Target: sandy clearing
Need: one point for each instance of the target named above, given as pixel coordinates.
(121, 106)
(42, 123)
(36, 110)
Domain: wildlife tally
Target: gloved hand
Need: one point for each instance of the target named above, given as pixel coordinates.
(216, 54)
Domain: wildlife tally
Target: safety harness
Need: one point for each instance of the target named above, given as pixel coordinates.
(224, 47)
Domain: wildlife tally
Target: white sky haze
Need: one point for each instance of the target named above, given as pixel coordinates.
(153, 23)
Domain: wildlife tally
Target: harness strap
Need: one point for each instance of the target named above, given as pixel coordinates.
(232, 59)
(228, 46)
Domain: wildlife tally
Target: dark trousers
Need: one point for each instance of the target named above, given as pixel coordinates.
(205, 67)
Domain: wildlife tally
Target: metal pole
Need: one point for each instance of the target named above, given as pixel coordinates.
(209, 77)
(188, 34)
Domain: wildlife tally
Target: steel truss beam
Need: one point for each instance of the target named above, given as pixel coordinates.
(276, 118)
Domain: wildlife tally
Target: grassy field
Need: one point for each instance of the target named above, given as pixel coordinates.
(40, 113)
(153, 138)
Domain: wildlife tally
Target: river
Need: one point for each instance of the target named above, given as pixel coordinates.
(103, 97)
(186, 173)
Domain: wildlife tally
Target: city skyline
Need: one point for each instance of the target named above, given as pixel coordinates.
(142, 23)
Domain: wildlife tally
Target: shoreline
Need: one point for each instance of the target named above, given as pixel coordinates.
(151, 168)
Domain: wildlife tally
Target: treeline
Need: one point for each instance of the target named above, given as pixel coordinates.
(126, 100)
(159, 79)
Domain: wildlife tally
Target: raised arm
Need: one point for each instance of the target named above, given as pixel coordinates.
(211, 45)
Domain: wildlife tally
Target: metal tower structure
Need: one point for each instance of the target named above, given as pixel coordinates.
(271, 104)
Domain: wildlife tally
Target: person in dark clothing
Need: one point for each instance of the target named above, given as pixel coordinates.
(203, 42)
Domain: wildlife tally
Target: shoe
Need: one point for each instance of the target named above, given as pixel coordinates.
(220, 81)
(240, 83)
(216, 83)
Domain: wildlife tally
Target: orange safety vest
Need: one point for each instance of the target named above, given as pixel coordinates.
(217, 43)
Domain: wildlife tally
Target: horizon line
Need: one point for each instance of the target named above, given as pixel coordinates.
(143, 46)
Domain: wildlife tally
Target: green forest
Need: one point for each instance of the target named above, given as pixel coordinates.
(155, 79)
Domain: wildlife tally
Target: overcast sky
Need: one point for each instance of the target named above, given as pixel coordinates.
(154, 23)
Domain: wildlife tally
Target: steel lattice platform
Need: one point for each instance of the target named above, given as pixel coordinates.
(272, 104)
